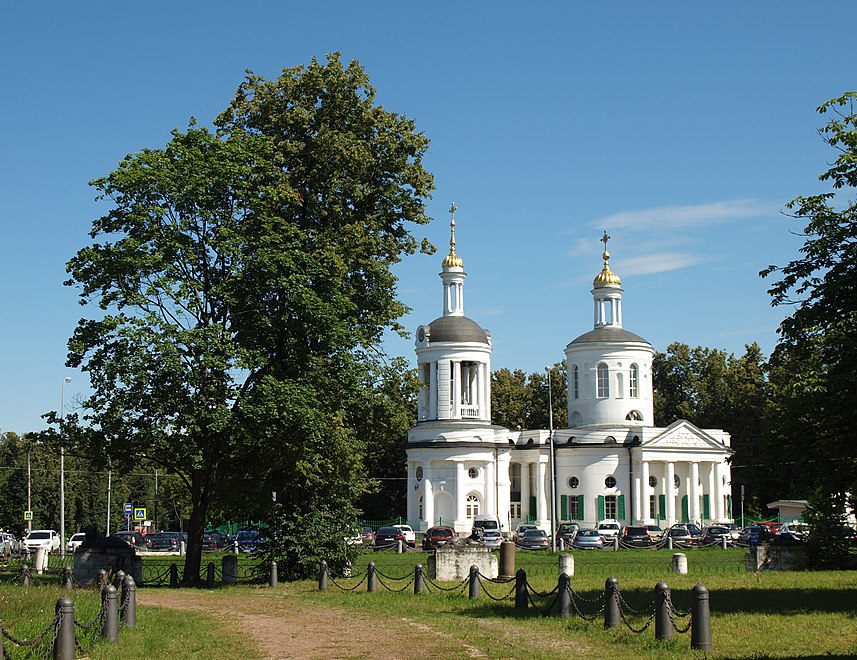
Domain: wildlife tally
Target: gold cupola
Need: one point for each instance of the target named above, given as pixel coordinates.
(452, 260)
(606, 277)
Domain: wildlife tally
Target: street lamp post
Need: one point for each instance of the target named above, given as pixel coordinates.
(552, 465)
(65, 380)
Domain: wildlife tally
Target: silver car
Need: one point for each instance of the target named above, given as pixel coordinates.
(491, 538)
(588, 539)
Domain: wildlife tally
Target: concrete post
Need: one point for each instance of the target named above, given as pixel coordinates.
(129, 600)
(110, 626)
(64, 648)
(669, 542)
(25, 576)
(399, 545)
(475, 588)
(612, 618)
(663, 625)
(563, 600)
(615, 543)
(41, 560)
(371, 578)
(272, 581)
(521, 600)
(182, 548)
(174, 576)
(419, 579)
(209, 576)
(680, 563)
(507, 559)
(700, 632)
(67, 581)
(230, 569)
(566, 565)
(560, 545)
(723, 542)
(322, 576)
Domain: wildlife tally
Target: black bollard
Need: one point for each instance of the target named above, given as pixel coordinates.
(563, 599)
(174, 576)
(419, 579)
(209, 575)
(102, 578)
(272, 580)
(67, 582)
(663, 623)
(118, 579)
(700, 632)
(612, 618)
(64, 648)
(322, 576)
(110, 625)
(25, 575)
(129, 601)
(521, 600)
(475, 588)
(371, 578)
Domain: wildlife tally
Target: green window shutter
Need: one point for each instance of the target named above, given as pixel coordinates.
(620, 505)
(729, 506)
(706, 508)
(600, 507)
(563, 506)
(533, 508)
(685, 517)
(662, 507)
(580, 515)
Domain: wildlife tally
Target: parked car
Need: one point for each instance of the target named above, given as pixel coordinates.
(9, 545)
(715, 534)
(42, 538)
(166, 541)
(409, 534)
(734, 530)
(655, 532)
(367, 536)
(248, 540)
(750, 535)
(609, 529)
(534, 539)
(680, 535)
(133, 538)
(436, 536)
(75, 542)
(520, 530)
(566, 532)
(213, 541)
(695, 532)
(588, 539)
(797, 529)
(388, 537)
(636, 535)
(492, 538)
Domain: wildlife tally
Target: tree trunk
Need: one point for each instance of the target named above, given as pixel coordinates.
(201, 498)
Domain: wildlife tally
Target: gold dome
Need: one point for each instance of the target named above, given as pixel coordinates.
(452, 260)
(606, 277)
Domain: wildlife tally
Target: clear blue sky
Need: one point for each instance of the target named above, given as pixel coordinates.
(681, 128)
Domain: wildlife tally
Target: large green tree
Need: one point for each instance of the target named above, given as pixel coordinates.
(240, 273)
(815, 360)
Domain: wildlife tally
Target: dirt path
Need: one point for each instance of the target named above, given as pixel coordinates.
(288, 628)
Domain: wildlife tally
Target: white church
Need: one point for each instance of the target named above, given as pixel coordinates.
(610, 463)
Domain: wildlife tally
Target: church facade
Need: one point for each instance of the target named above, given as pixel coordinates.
(610, 463)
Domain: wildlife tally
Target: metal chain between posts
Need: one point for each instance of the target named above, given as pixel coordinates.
(459, 587)
(539, 594)
(53, 625)
(341, 588)
(621, 601)
(680, 631)
(381, 582)
(390, 577)
(99, 618)
(574, 598)
(488, 593)
(678, 613)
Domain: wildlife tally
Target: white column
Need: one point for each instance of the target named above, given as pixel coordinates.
(460, 495)
(432, 390)
(443, 389)
(669, 487)
(456, 390)
(710, 469)
(638, 492)
(486, 377)
(428, 499)
(542, 500)
(647, 490)
(490, 488)
(694, 491)
(718, 492)
(525, 490)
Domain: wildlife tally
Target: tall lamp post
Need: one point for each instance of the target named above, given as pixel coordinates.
(552, 466)
(65, 380)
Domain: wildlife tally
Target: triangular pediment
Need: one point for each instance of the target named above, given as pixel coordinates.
(681, 434)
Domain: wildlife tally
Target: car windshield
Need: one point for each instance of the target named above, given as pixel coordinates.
(389, 531)
(718, 530)
(587, 532)
(39, 535)
(535, 532)
(491, 534)
(608, 526)
(443, 533)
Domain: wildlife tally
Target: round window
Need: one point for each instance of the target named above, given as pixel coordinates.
(473, 473)
(419, 473)
(573, 482)
(653, 481)
(610, 482)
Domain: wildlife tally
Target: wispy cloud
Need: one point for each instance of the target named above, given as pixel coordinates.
(661, 262)
(687, 216)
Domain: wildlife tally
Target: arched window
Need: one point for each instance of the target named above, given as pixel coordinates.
(575, 381)
(576, 419)
(633, 379)
(602, 380)
(634, 416)
(471, 506)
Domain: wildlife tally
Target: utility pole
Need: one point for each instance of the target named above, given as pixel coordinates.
(552, 464)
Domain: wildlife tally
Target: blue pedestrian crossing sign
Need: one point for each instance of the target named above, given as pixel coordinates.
(28, 515)
(139, 514)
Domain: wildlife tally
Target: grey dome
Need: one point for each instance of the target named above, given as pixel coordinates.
(608, 334)
(456, 328)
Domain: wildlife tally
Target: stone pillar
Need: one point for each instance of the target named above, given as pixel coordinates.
(638, 492)
(443, 389)
(646, 489)
(542, 501)
(428, 498)
(693, 495)
(525, 490)
(718, 492)
(455, 393)
(669, 491)
(422, 398)
(490, 487)
(432, 391)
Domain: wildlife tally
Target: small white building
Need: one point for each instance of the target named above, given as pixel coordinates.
(610, 463)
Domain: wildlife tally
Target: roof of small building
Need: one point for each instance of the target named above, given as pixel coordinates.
(608, 334)
(456, 328)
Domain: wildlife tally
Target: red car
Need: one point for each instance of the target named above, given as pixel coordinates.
(436, 536)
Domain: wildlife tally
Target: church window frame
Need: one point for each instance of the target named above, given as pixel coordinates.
(610, 482)
(653, 481)
(573, 482)
(419, 473)
(633, 381)
(471, 506)
(473, 473)
(611, 507)
(575, 381)
(602, 381)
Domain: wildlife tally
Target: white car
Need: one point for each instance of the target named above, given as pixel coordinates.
(74, 542)
(42, 538)
(9, 545)
(609, 529)
(409, 534)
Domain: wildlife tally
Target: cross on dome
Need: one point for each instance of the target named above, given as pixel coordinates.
(606, 277)
(452, 260)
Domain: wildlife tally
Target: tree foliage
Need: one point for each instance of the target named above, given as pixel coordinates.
(815, 360)
(241, 275)
(520, 401)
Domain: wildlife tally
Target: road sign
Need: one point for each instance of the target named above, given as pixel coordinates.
(28, 515)
(128, 508)
(139, 514)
